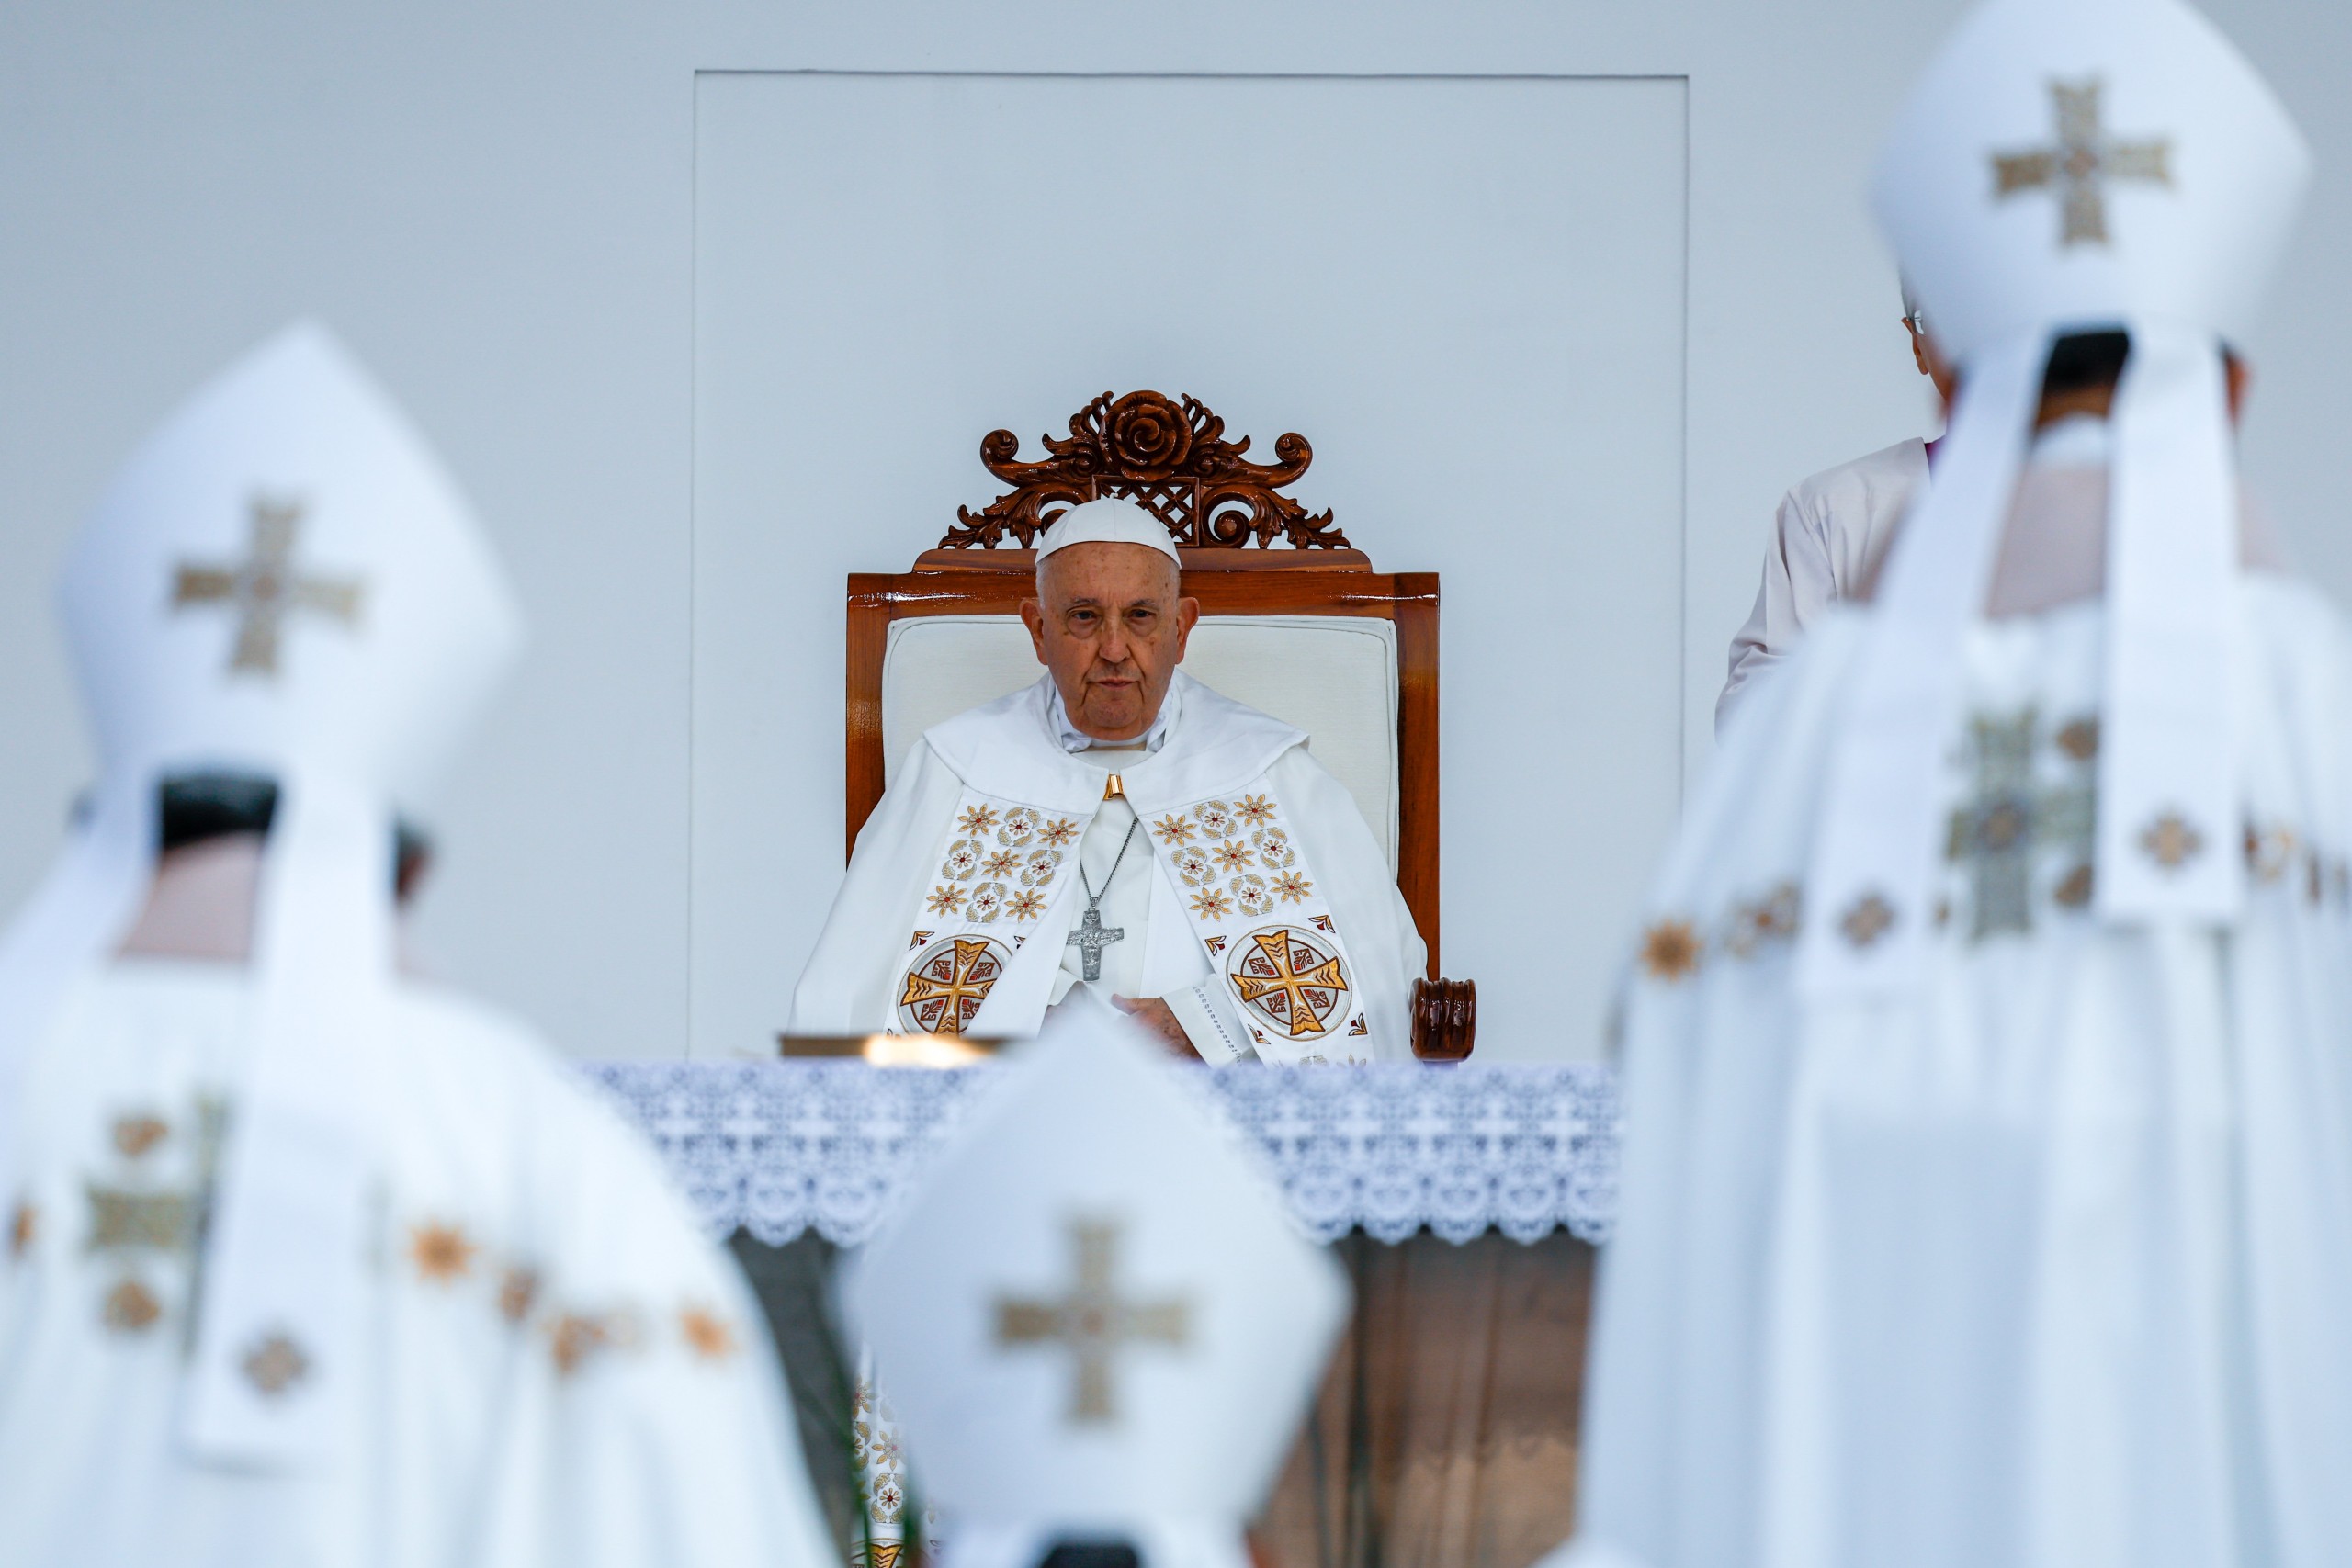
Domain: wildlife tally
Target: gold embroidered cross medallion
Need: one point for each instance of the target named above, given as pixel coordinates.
(1093, 1322)
(2084, 159)
(2011, 817)
(265, 587)
(945, 986)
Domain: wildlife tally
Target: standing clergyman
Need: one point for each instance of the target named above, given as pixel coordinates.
(1119, 825)
(1828, 531)
(1987, 1182)
(310, 1262)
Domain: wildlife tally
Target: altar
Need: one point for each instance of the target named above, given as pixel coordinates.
(1465, 1202)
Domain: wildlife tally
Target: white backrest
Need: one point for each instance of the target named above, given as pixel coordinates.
(1333, 676)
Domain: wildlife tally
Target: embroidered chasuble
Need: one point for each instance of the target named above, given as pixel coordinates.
(2047, 1263)
(1252, 897)
(555, 1366)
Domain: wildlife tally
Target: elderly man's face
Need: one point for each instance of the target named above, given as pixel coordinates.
(1109, 624)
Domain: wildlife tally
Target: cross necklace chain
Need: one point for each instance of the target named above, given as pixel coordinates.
(1091, 937)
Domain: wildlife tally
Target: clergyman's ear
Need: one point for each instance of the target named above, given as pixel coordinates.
(1033, 615)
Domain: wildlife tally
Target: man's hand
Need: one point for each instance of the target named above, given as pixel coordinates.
(1157, 1016)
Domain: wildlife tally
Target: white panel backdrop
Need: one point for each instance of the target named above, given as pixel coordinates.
(496, 205)
(1466, 294)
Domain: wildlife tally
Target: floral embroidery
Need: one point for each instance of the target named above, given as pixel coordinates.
(1772, 918)
(1273, 847)
(1217, 819)
(130, 1307)
(707, 1335)
(134, 1135)
(1211, 905)
(1173, 829)
(275, 1363)
(2172, 841)
(1293, 888)
(1026, 904)
(946, 901)
(1234, 855)
(1670, 950)
(1870, 918)
(2269, 851)
(1255, 810)
(963, 861)
(1020, 825)
(2079, 739)
(1194, 868)
(977, 819)
(988, 903)
(1041, 867)
(1250, 895)
(575, 1336)
(441, 1253)
(517, 1290)
(1058, 833)
(1000, 863)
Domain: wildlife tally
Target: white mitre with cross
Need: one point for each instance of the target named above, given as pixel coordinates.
(2067, 166)
(282, 581)
(1096, 1319)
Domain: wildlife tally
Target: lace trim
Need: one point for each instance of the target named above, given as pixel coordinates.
(779, 1148)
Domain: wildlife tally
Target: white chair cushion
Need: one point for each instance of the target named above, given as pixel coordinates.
(1333, 676)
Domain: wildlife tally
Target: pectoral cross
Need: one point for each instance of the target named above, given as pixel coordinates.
(265, 588)
(1094, 1323)
(1092, 937)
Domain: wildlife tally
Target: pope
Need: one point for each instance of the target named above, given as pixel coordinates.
(1121, 827)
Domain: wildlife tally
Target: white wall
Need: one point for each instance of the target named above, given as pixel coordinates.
(495, 204)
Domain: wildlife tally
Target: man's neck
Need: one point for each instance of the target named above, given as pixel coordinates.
(1078, 743)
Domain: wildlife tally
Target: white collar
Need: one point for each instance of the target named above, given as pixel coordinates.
(2077, 441)
(1075, 740)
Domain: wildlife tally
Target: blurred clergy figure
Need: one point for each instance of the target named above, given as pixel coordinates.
(1101, 1328)
(1827, 534)
(310, 1262)
(1987, 1182)
(1119, 827)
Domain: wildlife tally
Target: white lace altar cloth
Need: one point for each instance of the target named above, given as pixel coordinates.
(779, 1148)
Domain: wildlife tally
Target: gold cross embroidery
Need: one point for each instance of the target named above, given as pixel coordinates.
(1287, 984)
(2010, 817)
(2082, 163)
(972, 973)
(1093, 1322)
(265, 587)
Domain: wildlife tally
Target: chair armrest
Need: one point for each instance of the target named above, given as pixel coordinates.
(1445, 1018)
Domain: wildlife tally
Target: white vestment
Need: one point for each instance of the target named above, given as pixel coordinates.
(1214, 751)
(1827, 531)
(2046, 1262)
(556, 1368)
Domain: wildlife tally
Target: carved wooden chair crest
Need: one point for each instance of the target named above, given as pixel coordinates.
(928, 643)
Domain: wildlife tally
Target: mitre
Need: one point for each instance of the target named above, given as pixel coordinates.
(1095, 1318)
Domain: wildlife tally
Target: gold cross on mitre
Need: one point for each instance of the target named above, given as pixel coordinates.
(1093, 1322)
(2080, 165)
(265, 589)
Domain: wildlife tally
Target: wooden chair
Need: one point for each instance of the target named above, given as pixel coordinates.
(927, 643)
